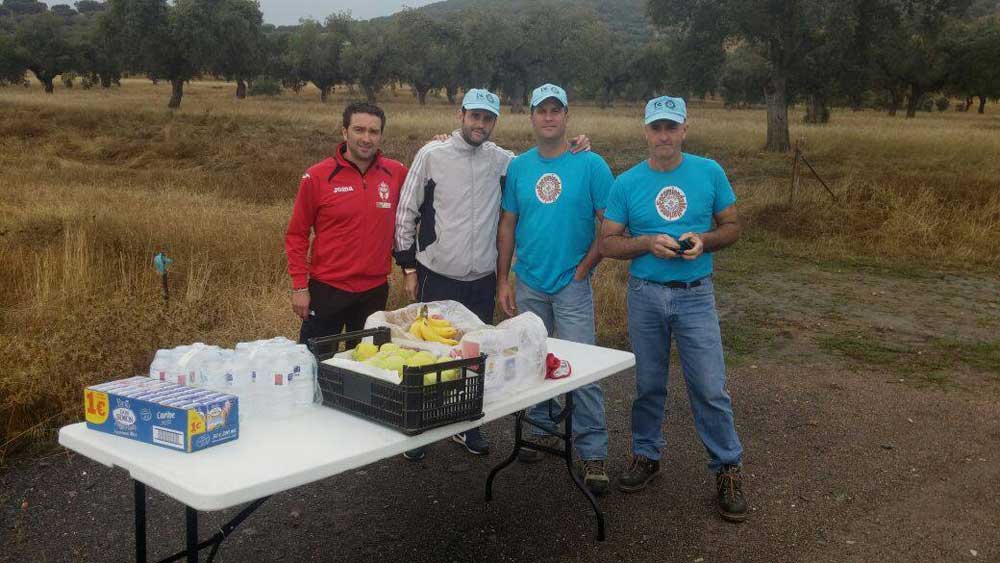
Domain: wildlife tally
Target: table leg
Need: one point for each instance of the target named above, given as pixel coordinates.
(566, 453)
(192, 534)
(577, 480)
(510, 459)
(139, 498)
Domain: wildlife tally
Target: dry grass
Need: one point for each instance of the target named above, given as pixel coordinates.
(92, 183)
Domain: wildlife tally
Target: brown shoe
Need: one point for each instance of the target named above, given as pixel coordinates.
(534, 456)
(732, 502)
(641, 471)
(595, 477)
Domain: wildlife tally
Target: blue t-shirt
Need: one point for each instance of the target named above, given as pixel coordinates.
(556, 201)
(685, 199)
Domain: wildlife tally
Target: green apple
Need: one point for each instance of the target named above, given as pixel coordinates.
(421, 359)
(364, 351)
(393, 363)
(389, 347)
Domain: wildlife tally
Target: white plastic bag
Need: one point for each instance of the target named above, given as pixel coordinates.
(399, 322)
(516, 351)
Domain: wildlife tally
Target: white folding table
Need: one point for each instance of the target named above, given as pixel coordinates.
(322, 442)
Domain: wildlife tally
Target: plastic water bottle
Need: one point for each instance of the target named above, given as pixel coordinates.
(303, 376)
(281, 400)
(161, 364)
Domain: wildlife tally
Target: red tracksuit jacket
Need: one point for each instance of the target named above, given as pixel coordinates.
(353, 218)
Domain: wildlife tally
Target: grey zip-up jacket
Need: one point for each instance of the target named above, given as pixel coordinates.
(449, 208)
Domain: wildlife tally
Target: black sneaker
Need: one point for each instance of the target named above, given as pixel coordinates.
(415, 454)
(534, 456)
(732, 503)
(595, 477)
(473, 441)
(639, 474)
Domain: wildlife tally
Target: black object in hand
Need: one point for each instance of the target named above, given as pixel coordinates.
(685, 245)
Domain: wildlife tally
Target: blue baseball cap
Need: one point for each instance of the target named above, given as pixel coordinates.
(478, 98)
(666, 107)
(546, 91)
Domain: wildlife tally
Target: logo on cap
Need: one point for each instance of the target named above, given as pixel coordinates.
(548, 188)
(671, 203)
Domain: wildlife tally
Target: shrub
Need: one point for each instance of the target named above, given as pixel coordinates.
(942, 103)
(264, 87)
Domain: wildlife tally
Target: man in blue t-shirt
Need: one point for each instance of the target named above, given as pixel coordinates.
(660, 215)
(551, 200)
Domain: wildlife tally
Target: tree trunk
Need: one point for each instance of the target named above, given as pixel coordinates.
(605, 100)
(913, 101)
(777, 115)
(893, 102)
(517, 99)
(966, 105)
(370, 93)
(241, 89)
(421, 95)
(324, 91)
(816, 110)
(176, 93)
(451, 91)
(982, 104)
(105, 81)
(45, 78)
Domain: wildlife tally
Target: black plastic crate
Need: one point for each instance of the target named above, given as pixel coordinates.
(410, 407)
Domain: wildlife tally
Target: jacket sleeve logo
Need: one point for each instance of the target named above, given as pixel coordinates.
(671, 203)
(548, 188)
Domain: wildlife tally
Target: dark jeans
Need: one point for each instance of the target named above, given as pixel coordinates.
(332, 310)
(479, 296)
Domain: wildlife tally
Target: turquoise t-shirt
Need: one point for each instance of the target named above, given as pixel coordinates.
(556, 201)
(682, 200)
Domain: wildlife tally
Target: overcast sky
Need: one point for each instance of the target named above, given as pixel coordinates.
(281, 12)
(284, 12)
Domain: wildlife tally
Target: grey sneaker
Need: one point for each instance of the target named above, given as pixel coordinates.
(595, 476)
(534, 456)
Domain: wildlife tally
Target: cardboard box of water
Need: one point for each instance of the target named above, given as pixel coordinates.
(161, 413)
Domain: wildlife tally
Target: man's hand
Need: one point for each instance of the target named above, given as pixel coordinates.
(410, 284)
(505, 295)
(580, 143)
(300, 304)
(696, 250)
(581, 273)
(663, 246)
(441, 137)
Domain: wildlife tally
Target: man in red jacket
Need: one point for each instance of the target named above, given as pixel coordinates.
(348, 203)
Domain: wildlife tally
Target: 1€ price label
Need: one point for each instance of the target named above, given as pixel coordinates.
(96, 406)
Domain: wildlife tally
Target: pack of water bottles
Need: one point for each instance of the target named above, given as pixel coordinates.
(274, 379)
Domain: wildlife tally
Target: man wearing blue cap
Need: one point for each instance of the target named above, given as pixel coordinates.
(660, 215)
(551, 201)
(446, 222)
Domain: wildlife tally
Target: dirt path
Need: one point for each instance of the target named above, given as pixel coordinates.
(868, 403)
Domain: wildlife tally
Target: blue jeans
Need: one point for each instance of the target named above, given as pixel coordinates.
(655, 313)
(569, 315)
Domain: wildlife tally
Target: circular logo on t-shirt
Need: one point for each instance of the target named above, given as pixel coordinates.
(671, 203)
(548, 188)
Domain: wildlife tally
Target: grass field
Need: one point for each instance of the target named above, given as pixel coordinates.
(93, 183)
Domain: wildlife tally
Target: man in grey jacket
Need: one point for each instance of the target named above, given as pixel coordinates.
(446, 221)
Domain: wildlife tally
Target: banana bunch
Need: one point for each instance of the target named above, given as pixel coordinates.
(433, 330)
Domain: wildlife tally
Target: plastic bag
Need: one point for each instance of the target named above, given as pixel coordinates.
(399, 322)
(516, 351)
